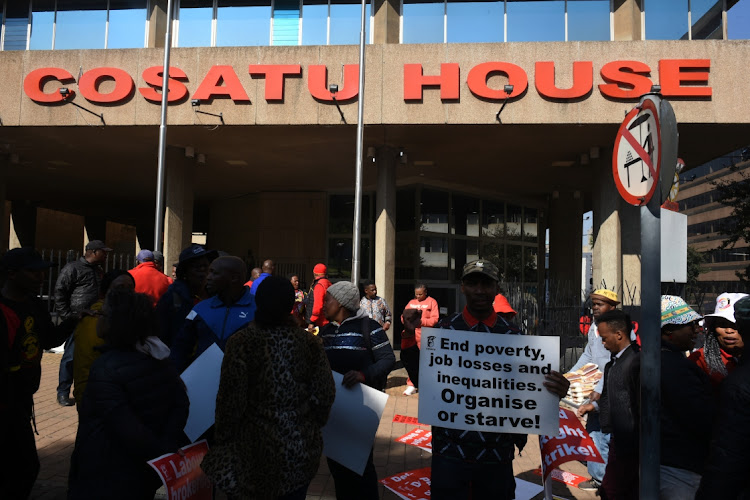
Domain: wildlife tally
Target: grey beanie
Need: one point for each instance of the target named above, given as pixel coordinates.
(346, 294)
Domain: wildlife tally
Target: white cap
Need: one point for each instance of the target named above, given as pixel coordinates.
(725, 305)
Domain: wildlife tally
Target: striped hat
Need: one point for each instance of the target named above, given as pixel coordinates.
(675, 311)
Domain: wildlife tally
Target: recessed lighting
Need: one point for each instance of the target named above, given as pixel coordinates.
(237, 163)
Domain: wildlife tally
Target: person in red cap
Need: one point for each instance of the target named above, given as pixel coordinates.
(502, 308)
(316, 296)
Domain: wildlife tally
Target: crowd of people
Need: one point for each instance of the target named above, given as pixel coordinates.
(129, 334)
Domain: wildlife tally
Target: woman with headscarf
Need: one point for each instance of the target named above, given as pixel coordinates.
(358, 348)
(134, 408)
(275, 394)
(723, 344)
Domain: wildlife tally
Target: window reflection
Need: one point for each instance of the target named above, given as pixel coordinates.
(463, 251)
(242, 23)
(405, 219)
(666, 19)
(493, 219)
(341, 214)
(285, 22)
(345, 23)
(738, 21)
(434, 208)
(422, 22)
(42, 20)
(514, 222)
(433, 258)
(588, 20)
(16, 24)
(475, 22)
(127, 24)
(465, 219)
(539, 20)
(706, 19)
(530, 224)
(315, 23)
(530, 264)
(195, 23)
(513, 265)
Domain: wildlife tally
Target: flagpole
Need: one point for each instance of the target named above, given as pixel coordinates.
(357, 236)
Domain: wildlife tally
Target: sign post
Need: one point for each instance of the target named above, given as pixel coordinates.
(646, 141)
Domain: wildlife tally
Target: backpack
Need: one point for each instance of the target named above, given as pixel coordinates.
(310, 301)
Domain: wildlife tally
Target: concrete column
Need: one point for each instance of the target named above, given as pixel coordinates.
(607, 254)
(178, 216)
(565, 235)
(385, 228)
(627, 19)
(4, 212)
(95, 228)
(22, 225)
(157, 23)
(386, 26)
(630, 218)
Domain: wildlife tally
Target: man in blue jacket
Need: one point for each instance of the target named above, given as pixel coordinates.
(214, 320)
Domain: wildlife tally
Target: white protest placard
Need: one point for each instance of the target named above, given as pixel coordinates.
(349, 434)
(202, 381)
(488, 382)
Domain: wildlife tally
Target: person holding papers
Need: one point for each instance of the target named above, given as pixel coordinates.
(358, 348)
(275, 394)
(474, 464)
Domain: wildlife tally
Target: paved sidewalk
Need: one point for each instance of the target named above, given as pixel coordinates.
(57, 427)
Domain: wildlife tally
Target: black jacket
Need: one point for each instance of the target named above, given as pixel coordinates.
(77, 287)
(172, 309)
(619, 406)
(687, 410)
(134, 409)
(727, 472)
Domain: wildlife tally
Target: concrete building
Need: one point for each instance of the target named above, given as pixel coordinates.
(261, 156)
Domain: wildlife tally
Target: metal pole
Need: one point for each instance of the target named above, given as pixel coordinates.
(159, 222)
(357, 237)
(650, 346)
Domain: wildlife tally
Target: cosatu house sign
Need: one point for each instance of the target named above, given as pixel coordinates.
(685, 78)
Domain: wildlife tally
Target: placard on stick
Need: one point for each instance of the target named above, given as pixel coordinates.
(487, 382)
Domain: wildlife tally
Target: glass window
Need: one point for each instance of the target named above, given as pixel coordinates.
(315, 22)
(666, 19)
(530, 224)
(738, 21)
(433, 258)
(588, 20)
(345, 23)
(494, 251)
(493, 219)
(406, 250)
(475, 22)
(16, 25)
(195, 23)
(434, 209)
(286, 22)
(405, 213)
(530, 265)
(127, 24)
(341, 214)
(242, 23)
(706, 18)
(42, 22)
(514, 222)
(513, 263)
(465, 216)
(422, 21)
(340, 258)
(463, 251)
(80, 26)
(536, 20)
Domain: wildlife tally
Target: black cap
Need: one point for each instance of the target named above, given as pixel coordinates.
(195, 251)
(24, 258)
(97, 245)
(481, 266)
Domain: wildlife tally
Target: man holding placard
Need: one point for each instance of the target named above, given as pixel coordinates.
(493, 383)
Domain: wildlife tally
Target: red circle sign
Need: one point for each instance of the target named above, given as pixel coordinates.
(636, 159)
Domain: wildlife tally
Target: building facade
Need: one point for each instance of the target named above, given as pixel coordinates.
(262, 151)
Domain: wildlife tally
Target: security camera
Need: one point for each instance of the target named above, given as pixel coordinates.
(333, 88)
(195, 102)
(64, 91)
(508, 89)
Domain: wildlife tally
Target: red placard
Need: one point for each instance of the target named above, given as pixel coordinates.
(563, 476)
(182, 474)
(410, 485)
(571, 443)
(404, 419)
(420, 438)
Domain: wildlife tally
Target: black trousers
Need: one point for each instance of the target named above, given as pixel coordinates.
(18, 475)
(352, 486)
(410, 359)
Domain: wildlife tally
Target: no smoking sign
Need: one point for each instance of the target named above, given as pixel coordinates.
(636, 159)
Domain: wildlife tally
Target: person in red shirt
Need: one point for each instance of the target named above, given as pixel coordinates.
(430, 317)
(148, 279)
(318, 292)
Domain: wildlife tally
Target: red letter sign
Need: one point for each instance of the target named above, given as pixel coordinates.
(317, 83)
(211, 86)
(34, 82)
(674, 72)
(447, 80)
(274, 74)
(90, 80)
(629, 73)
(479, 74)
(153, 76)
(583, 80)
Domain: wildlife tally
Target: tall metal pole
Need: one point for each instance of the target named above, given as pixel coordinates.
(357, 237)
(159, 217)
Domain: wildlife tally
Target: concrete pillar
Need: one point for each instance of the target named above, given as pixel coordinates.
(565, 235)
(157, 23)
(607, 254)
(385, 227)
(22, 225)
(95, 228)
(178, 216)
(4, 212)
(627, 20)
(387, 20)
(630, 218)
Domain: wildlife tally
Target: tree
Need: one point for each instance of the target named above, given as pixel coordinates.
(736, 194)
(695, 259)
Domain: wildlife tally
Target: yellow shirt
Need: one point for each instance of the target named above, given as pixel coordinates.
(84, 353)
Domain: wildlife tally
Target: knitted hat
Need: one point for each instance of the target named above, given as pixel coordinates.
(725, 305)
(675, 311)
(742, 315)
(346, 293)
(607, 295)
(502, 305)
(320, 269)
